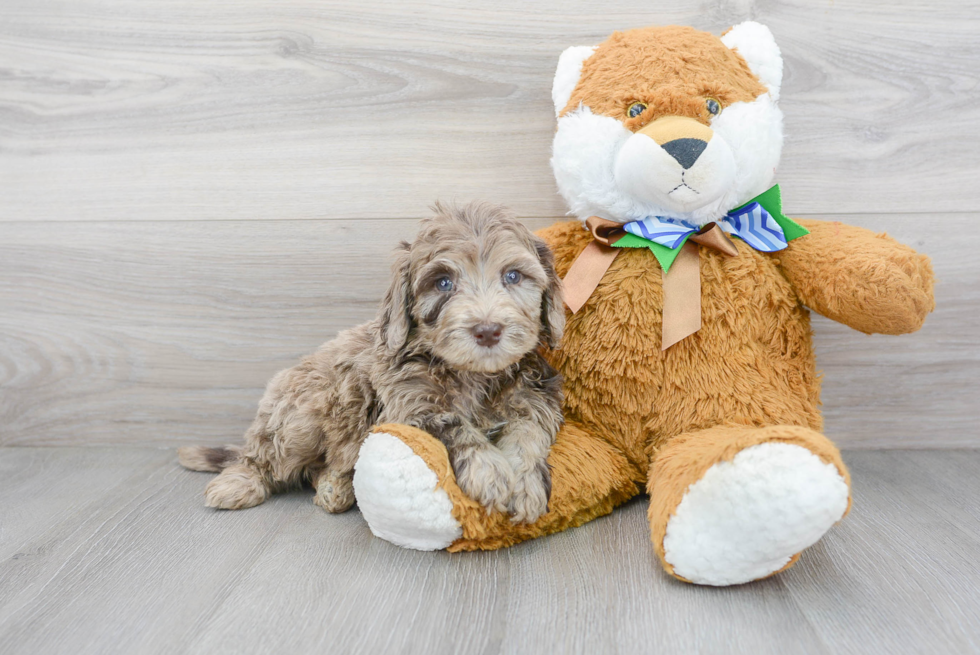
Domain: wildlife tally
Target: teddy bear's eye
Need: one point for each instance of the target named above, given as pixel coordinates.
(636, 109)
(714, 107)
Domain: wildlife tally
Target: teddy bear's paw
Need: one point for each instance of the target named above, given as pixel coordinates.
(747, 518)
(398, 496)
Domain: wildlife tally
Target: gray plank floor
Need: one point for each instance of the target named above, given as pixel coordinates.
(111, 551)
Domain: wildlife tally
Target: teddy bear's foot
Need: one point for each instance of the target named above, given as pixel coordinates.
(734, 504)
(400, 495)
(408, 493)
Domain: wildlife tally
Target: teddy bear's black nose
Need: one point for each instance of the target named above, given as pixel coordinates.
(685, 151)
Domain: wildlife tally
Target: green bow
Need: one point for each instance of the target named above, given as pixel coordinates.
(771, 201)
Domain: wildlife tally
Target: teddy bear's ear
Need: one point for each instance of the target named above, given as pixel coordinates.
(754, 42)
(567, 74)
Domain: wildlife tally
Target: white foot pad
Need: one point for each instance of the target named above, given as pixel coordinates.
(746, 518)
(396, 493)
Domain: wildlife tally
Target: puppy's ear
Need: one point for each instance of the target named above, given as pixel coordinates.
(394, 316)
(552, 306)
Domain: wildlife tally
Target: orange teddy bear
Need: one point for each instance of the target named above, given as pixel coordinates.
(688, 361)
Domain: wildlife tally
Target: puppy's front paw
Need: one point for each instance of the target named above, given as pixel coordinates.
(531, 494)
(334, 493)
(485, 475)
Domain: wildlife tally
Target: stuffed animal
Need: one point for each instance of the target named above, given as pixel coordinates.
(688, 363)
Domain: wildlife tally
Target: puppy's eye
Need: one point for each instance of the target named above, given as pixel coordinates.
(512, 277)
(444, 284)
(713, 106)
(636, 109)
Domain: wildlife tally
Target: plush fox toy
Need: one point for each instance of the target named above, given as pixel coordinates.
(687, 356)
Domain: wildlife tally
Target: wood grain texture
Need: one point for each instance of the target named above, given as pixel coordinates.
(128, 315)
(910, 541)
(181, 110)
(915, 390)
(155, 160)
(142, 567)
(166, 333)
(40, 488)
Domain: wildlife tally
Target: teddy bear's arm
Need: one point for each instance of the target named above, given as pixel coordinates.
(867, 281)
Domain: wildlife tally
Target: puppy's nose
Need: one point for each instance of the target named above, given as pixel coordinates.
(487, 334)
(685, 151)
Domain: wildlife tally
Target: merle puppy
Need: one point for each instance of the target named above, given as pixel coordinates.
(454, 351)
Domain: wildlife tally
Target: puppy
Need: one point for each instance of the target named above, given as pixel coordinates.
(453, 351)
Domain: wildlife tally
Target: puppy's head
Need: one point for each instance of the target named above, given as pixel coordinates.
(475, 289)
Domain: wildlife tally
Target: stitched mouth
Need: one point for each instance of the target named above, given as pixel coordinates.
(683, 184)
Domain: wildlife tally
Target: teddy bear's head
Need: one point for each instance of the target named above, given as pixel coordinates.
(668, 121)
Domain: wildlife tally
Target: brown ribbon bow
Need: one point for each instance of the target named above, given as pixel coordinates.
(682, 286)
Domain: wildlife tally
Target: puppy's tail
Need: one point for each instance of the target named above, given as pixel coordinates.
(202, 458)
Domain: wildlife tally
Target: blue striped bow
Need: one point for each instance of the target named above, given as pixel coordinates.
(751, 223)
(760, 223)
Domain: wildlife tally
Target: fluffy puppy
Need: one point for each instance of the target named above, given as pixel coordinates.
(453, 351)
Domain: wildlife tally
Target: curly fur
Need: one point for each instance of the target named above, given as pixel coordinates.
(496, 407)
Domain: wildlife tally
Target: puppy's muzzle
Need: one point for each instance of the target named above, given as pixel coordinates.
(487, 334)
(682, 138)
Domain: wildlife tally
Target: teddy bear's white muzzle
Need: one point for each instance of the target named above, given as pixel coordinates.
(682, 175)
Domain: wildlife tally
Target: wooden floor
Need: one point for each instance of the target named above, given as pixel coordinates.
(111, 551)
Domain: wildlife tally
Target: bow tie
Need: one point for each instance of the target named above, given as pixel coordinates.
(751, 223)
(760, 223)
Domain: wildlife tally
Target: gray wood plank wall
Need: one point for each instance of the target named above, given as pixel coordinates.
(192, 195)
